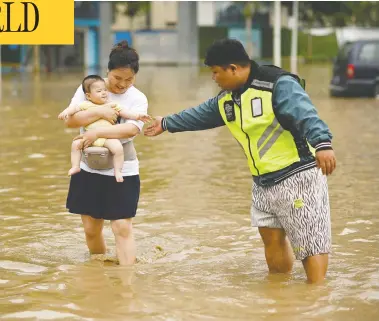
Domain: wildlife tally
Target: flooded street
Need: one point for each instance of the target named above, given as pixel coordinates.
(199, 258)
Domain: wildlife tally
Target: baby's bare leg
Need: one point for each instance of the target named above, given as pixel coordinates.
(115, 147)
(76, 156)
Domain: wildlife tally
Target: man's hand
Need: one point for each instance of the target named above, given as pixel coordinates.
(108, 113)
(87, 139)
(326, 160)
(155, 128)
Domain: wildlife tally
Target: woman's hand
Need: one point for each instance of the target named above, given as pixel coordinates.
(87, 139)
(108, 113)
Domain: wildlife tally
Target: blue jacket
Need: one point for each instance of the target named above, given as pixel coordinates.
(291, 104)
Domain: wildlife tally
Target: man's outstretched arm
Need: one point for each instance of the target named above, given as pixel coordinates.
(205, 116)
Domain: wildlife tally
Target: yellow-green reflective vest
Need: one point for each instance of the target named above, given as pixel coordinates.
(267, 146)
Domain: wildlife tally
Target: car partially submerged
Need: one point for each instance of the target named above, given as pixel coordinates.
(356, 70)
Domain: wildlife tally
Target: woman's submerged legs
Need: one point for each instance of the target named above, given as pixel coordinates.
(125, 244)
(93, 229)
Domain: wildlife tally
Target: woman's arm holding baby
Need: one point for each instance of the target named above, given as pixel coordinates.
(86, 117)
(126, 130)
(75, 117)
(119, 131)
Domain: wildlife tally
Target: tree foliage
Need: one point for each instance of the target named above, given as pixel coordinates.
(339, 13)
(132, 8)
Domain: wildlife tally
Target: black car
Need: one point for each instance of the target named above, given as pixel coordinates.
(356, 69)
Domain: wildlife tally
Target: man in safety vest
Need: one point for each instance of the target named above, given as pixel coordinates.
(288, 148)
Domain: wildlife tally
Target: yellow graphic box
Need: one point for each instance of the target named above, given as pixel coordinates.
(37, 22)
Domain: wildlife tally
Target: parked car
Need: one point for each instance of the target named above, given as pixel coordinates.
(356, 69)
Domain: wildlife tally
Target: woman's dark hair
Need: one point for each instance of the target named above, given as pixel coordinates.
(224, 52)
(122, 56)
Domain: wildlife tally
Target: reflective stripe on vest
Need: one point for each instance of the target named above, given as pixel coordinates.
(267, 146)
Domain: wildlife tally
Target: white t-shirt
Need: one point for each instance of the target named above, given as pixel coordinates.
(133, 101)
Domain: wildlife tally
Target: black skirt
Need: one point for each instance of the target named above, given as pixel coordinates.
(102, 197)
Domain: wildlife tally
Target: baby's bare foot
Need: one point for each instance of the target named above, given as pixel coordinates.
(119, 177)
(73, 171)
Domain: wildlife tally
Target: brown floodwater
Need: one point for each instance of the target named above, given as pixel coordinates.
(198, 256)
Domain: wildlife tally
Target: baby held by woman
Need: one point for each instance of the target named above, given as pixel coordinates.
(96, 92)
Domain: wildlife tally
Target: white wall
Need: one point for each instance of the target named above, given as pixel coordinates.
(163, 12)
(206, 13)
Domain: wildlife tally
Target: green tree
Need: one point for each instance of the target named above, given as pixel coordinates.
(340, 13)
(132, 8)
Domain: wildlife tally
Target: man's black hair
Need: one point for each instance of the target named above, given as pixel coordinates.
(224, 52)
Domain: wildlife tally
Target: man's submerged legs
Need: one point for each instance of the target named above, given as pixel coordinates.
(280, 259)
(298, 208)
(316, 267)
(302, 206)
(278, 252)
